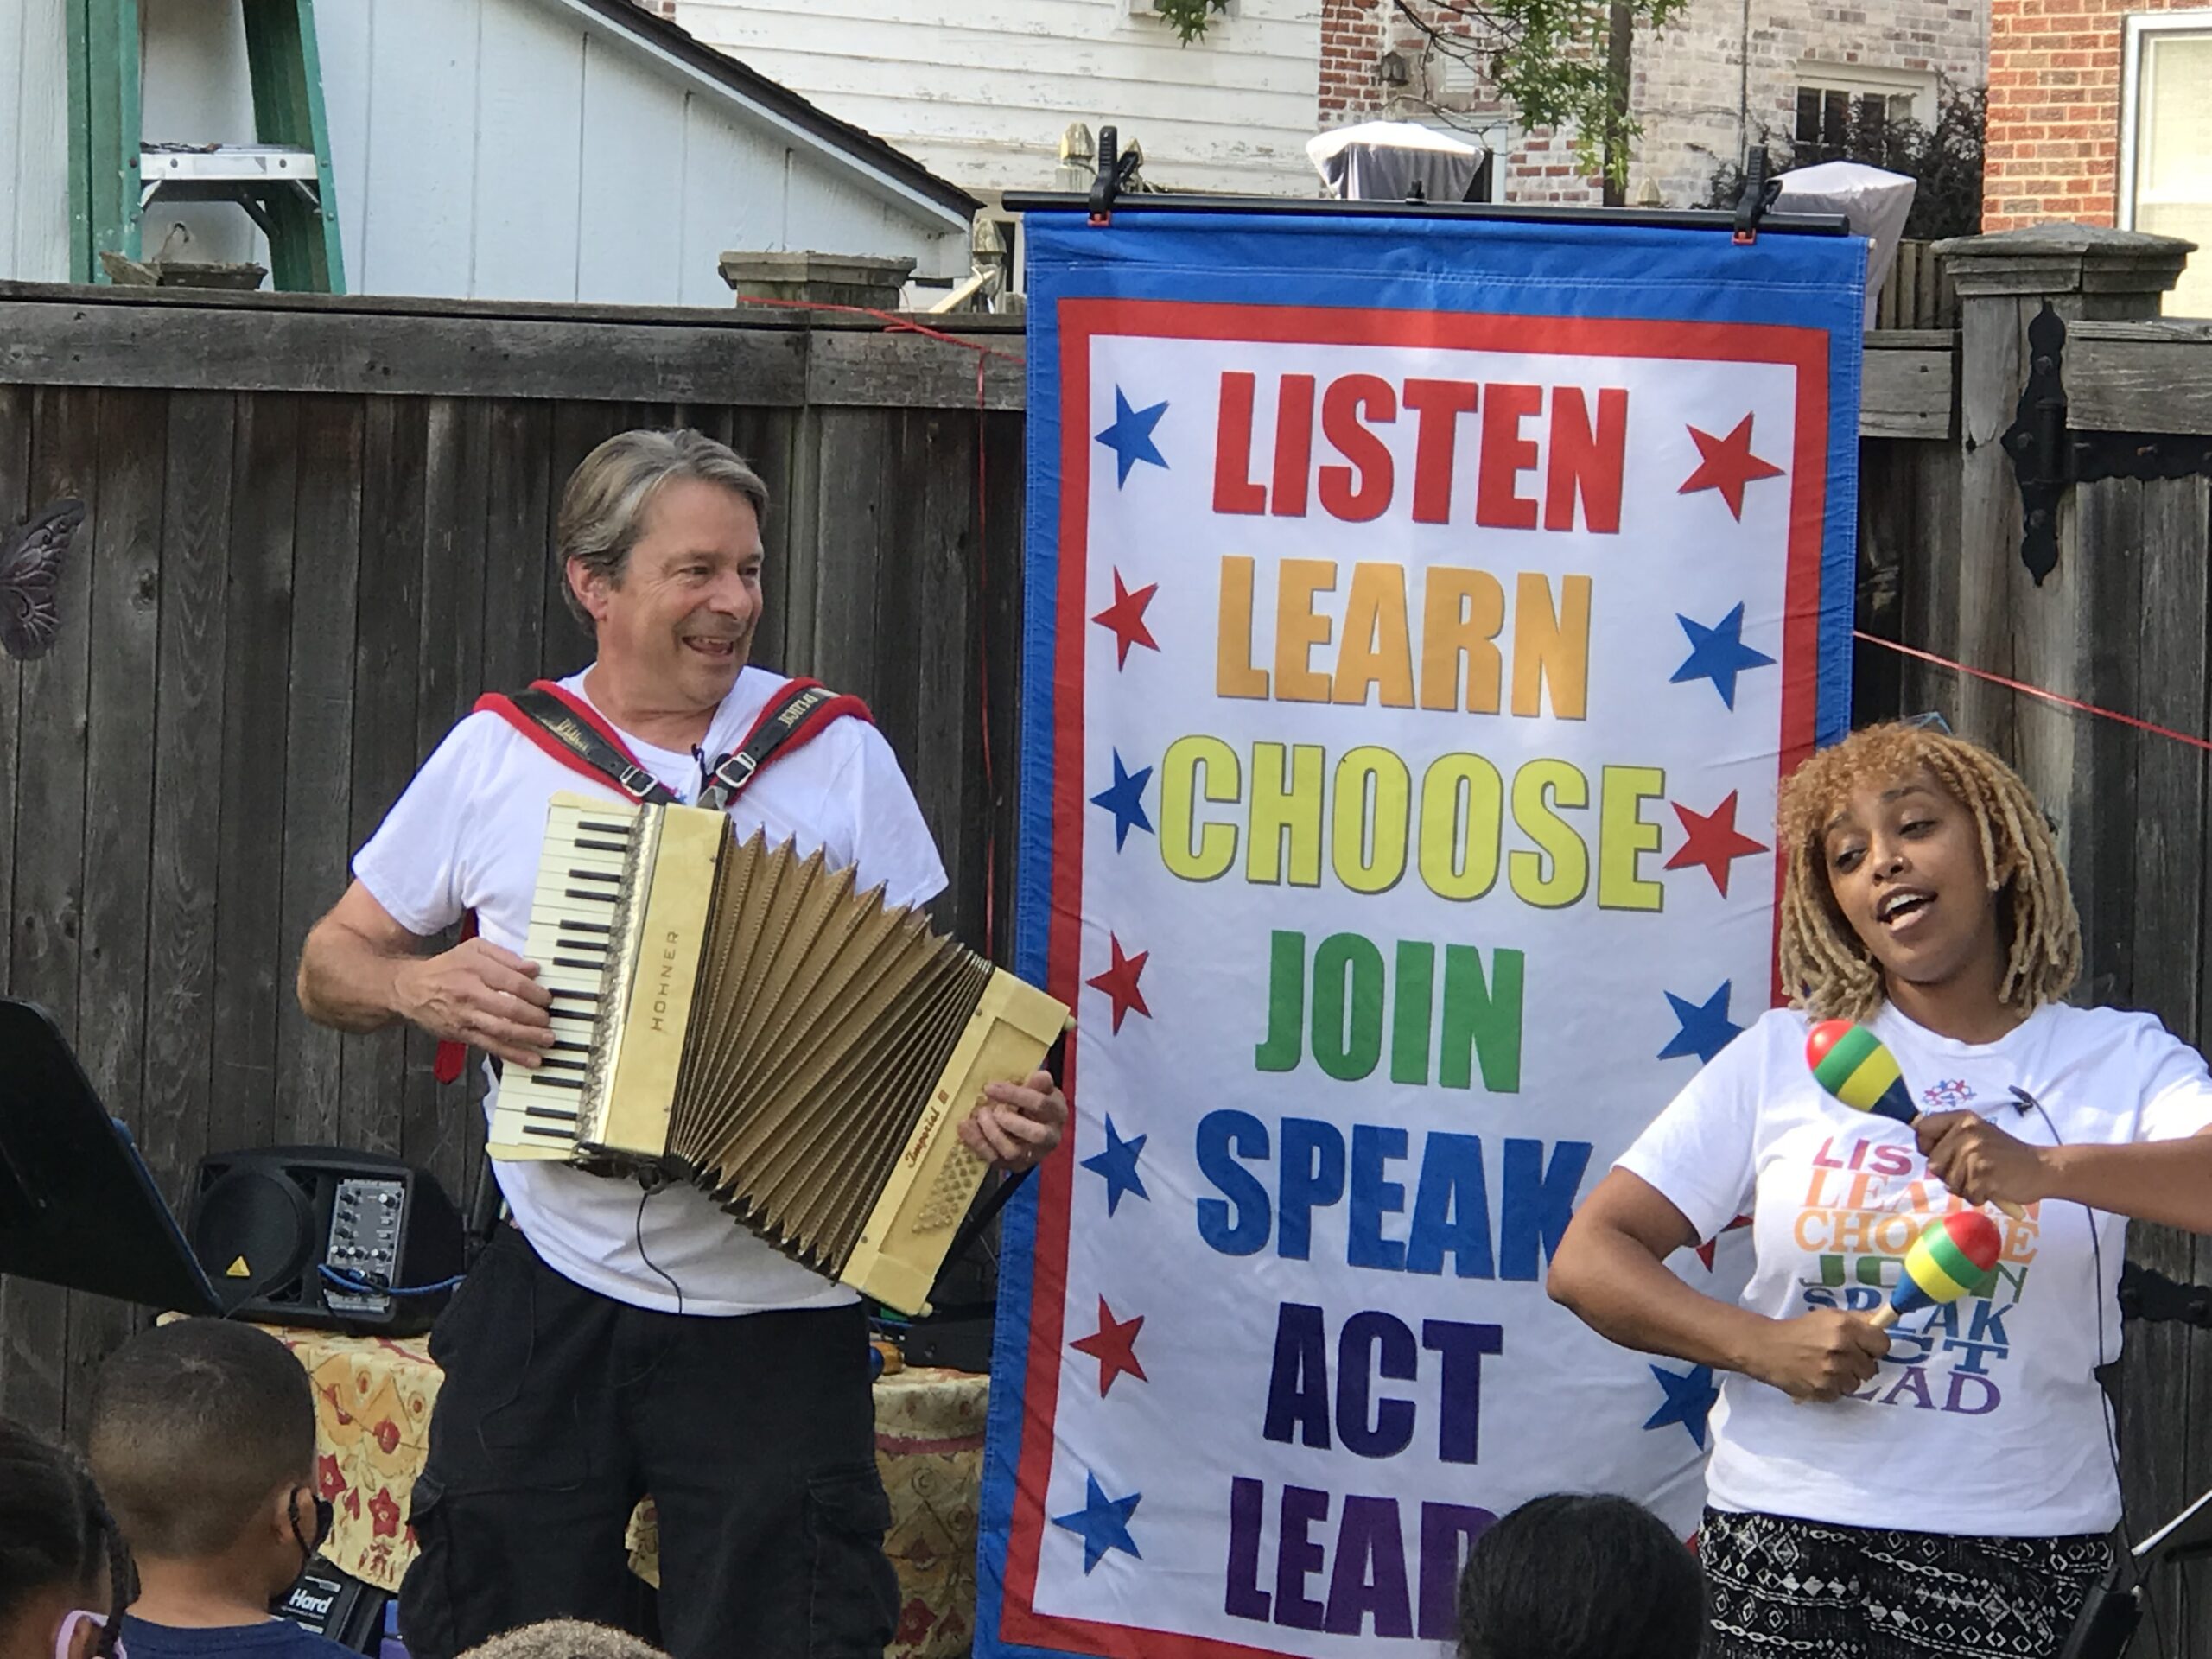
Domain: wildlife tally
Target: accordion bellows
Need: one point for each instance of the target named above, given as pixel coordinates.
(735, 1016)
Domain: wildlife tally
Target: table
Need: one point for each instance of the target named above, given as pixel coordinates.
(374, 1396)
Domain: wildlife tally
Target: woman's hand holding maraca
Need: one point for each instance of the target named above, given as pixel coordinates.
(1822, 1355)
(1980, 1161)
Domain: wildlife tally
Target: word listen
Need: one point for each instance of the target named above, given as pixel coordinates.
(1577, 449)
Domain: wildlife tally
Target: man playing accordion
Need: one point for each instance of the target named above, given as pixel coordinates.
(616, 1341)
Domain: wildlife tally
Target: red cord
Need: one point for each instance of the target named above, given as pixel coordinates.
(2034, 691)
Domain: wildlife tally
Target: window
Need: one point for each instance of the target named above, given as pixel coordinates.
(1843, 106)
(2165, 173)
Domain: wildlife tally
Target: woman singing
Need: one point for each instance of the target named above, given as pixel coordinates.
(1948, 1487)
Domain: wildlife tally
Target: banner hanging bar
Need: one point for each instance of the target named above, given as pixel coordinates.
(1685, 219)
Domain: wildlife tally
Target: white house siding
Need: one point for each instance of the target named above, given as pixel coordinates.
(33, 143)
(980, 91)
(518, 150)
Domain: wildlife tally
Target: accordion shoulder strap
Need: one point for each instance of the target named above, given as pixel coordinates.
(794, 717)
(570, 730)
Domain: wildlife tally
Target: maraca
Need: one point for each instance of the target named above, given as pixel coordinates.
(1945, 1262)
(1857, 1068)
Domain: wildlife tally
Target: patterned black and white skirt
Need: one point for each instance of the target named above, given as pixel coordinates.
(1788, 1589)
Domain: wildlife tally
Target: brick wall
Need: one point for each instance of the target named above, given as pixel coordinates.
(1703, 88)
(2054, 110)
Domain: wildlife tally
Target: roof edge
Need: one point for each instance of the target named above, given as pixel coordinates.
(751, 86)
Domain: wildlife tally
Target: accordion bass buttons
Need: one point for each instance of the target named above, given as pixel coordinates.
(952, 1192)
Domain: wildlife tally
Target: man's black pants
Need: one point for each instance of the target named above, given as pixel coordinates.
(560, 1408)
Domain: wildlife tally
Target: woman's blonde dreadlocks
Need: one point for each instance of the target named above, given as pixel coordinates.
(1834, 976)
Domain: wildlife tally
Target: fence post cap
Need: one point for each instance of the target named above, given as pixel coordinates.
(2062, 257)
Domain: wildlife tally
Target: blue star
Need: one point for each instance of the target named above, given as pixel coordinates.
(1118, 1164)
(1103, 1523)
(1718, 654)
(1126, 801)
(1690, 1397)
(1130, 436)
(1706, 1027)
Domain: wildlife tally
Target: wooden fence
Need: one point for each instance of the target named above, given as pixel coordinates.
(319, 527)
(317, 531)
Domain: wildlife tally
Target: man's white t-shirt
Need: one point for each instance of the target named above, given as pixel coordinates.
(465, 836)
(1985, 1419)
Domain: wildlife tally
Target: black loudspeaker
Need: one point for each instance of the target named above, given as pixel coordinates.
(336, 1604)
(319, 1235)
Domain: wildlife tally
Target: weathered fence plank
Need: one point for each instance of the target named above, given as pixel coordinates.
(49, 852)
(2138, 377)
(257, 707)
(1907, 386)
(174, 1113)
(328, 555)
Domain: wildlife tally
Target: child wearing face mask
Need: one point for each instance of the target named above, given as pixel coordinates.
(1947, 1486)
(64, 1572)
(203, 1440)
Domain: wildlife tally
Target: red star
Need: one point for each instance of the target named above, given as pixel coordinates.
(1114, 1346)
(1727, 464)
(1711, 840)
(1705, 1250)
(1124, 619)
(1120, 982)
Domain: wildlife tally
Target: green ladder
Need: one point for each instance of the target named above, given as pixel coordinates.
(283, 181)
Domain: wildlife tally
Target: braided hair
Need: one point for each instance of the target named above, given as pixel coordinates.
(55, 1530)
(1832, 973)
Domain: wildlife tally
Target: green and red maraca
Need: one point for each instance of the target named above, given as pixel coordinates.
(1950, 1260)
(1856, 1067)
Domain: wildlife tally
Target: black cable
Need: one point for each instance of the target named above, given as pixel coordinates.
(361, 1287)
(2024, 1101)
(644, 1254)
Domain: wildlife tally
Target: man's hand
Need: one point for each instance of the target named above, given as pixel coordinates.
(1978, 1161)
(1822, 1355)
(1017, 1123)
(479, 993)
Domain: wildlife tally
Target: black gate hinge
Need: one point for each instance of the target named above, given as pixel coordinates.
(2049, 458)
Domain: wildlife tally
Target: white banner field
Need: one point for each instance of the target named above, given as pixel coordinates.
(1420, 615)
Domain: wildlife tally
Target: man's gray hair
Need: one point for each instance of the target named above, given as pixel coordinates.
(603, 508)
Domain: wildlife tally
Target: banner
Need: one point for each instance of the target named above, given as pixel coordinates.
(1420, 615)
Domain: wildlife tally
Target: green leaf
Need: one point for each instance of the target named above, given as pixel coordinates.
(1189, 17)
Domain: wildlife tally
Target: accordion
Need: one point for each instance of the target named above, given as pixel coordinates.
(737, 1017)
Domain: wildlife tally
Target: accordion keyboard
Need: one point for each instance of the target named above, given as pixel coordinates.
(580, 887)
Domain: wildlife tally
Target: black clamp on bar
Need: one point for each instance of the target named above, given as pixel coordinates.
(1759, 194)
(1116, 170)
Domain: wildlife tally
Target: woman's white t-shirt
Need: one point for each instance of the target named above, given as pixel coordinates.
(465, 836)
(1986, 1418)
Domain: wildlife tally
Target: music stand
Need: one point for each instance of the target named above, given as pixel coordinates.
(2109, 1614)
(77, 1207)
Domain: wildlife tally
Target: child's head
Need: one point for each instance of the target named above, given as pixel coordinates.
(564, 1639)
(1580, 1578)
(203, 1440)
(64, 1573)
(1979, 883)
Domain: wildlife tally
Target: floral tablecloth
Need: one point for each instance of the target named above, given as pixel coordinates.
(372, 1421)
